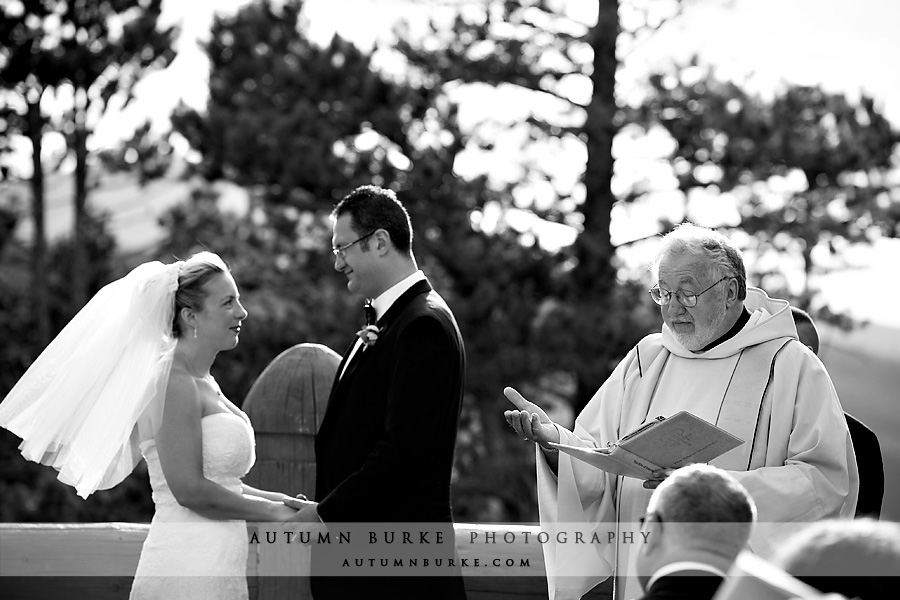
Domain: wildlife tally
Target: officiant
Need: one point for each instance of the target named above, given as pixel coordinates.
(728, 354)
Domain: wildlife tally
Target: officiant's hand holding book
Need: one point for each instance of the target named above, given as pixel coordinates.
(663, 443)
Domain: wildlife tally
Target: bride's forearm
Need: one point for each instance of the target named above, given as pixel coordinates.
(213, 501)
(252, 491)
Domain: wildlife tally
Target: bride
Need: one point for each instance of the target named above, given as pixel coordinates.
(130, 374)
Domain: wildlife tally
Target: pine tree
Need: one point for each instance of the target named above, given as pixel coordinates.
(839, 152)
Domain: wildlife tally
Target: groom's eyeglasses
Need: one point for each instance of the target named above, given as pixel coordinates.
(341, 251)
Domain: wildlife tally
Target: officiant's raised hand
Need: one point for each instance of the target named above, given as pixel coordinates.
(529, 421)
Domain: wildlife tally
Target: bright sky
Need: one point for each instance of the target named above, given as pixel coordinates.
(844, 45)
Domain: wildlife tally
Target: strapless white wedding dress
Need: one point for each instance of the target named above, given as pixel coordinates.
(187, 556)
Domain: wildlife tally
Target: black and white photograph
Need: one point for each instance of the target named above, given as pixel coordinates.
(449, 299)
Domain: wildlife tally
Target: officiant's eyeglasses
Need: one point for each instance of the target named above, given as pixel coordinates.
(342, 250)
(688, 300)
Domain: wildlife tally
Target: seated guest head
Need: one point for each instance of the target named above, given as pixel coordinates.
(699, 515)
(857, 558)
(806, 329)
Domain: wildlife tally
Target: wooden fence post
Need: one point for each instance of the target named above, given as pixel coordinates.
(286, 405)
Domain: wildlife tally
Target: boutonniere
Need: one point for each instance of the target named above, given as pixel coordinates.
(368, 335)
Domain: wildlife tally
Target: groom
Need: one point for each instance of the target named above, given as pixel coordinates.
(384, 451)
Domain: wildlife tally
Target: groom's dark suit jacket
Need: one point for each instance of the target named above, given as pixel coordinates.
(384, 451)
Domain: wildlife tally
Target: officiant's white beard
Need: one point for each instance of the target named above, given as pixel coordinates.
(702, 336)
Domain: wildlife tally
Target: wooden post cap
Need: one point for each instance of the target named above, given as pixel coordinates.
(291, 393)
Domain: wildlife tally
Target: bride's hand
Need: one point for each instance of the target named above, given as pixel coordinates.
(283, 513)
(298, 502)
(306, 518)
(306, 510)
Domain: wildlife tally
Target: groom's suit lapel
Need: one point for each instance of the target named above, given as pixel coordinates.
(340, 369)
(396, 309)
(418, 288)
(341, 386)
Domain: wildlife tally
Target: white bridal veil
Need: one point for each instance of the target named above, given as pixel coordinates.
(96, 392)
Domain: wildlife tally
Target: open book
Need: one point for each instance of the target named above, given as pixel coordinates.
(664, 443)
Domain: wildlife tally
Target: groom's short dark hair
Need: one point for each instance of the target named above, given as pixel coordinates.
(370, 208)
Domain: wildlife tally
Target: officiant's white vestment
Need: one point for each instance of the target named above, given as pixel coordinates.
(797, 461)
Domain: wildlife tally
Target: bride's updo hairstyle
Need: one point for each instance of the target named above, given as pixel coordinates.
(192, 276)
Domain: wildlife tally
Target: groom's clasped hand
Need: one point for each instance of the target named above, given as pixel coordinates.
(305, 515)
(306, 509)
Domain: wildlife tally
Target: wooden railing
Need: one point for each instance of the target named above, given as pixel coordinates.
(43, 561)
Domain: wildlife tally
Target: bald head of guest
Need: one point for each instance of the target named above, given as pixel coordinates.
(701, 514)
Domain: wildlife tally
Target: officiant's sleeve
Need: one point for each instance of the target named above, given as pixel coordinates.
(407, 474)
(806, 471)
(581, 498)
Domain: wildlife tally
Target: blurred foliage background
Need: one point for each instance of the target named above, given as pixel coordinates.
(297, 125)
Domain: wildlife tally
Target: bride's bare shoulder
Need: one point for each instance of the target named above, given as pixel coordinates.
(182, 388)
(180, 378)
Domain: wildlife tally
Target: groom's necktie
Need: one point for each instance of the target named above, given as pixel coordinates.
(371, 316)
